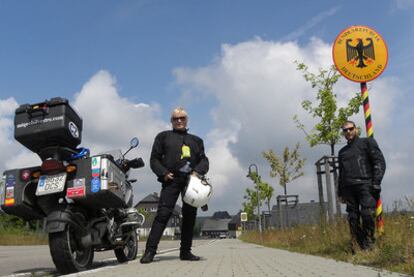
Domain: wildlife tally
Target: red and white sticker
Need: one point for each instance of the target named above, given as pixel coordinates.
(76, 192)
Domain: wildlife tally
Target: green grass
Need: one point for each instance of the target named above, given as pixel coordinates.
(393, 251)
(14, 236)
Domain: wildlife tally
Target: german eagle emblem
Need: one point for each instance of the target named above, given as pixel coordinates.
(360, 53)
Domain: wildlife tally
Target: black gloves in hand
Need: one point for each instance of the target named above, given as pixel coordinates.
(376, 191)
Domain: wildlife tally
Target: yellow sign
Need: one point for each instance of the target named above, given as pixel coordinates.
(360, 54)
(185, 151)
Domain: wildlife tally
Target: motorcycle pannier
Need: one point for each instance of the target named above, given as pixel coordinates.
(99, 183)
(17, 196)
(50, 123)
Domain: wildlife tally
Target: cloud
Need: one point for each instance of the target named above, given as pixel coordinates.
(311, 23)
(402, 4)
(258, 90)
(109, 122)
(13, 154)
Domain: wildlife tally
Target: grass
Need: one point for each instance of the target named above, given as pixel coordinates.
(394, 251)
(11, 236)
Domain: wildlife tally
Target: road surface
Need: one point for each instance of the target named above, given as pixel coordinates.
(36, 260)
(231, 257)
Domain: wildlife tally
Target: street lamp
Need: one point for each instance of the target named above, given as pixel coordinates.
(256, 171)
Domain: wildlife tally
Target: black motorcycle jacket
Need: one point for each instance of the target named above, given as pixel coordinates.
(361, 162)
(167, 153)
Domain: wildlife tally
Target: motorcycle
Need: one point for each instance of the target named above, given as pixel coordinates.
(86, 200)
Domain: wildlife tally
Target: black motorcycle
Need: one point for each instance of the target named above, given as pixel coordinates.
(86, 200)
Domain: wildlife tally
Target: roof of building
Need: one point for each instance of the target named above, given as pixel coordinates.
(235, 219)
(221, 215)
(307, 205)
(150, 198)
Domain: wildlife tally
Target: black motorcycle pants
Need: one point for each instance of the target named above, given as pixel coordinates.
(168, 199)
(360, 205)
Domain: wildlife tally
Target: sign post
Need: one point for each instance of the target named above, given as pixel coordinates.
(360, 55)
(243, 219)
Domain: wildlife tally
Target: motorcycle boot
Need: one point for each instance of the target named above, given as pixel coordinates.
(188, 256)
(147, 258)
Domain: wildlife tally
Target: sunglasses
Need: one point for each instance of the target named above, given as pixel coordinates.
(181, 118)
(350, 129)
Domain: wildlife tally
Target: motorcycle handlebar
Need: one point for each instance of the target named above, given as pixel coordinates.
(136, 163)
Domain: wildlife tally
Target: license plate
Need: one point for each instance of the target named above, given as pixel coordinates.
(51, 184)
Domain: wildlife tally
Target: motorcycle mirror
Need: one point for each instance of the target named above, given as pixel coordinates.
(134, 142)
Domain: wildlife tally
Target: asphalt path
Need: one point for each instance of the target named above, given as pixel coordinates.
(36, 260)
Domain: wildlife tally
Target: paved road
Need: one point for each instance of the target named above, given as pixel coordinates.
(235, 258)
(226, 258)
(36, 260)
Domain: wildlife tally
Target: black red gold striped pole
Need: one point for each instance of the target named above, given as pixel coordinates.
(367, 110)
(370, 133)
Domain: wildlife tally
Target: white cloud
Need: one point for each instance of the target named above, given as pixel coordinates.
(258, 89)
(13, 155)
(403, 4)
(109, 122)
(311, 23)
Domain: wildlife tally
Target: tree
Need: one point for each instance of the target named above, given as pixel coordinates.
(288, 167)
(249, 209)
(327, 130)
(144, 213)
(265, 193)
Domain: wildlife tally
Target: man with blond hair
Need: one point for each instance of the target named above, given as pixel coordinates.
(175, 155)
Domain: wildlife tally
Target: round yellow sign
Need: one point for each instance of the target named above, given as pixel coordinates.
(360, 54)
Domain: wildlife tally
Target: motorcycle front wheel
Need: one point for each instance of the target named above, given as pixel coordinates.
(129, 251)
(67, 254)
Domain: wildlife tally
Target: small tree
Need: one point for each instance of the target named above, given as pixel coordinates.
(249, 209)
(265, 192)
(327, 130)
(288, 167)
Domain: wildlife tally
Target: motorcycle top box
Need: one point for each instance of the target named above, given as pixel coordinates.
(52, 123)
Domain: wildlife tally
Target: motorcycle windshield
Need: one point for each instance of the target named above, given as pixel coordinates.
(116, 154)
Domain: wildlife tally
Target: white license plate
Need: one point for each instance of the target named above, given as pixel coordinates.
(51, 184)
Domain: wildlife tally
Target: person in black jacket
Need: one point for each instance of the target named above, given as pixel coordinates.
(175, 155)
(361, 169)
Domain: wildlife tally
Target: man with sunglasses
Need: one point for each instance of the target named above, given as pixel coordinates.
(175, 155)
(361, 169)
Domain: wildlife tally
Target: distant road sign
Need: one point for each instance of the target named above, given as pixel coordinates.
(360, 54)
(243, 217)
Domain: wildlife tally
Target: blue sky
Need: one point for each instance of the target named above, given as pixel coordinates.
(52, 47)
(168, 53)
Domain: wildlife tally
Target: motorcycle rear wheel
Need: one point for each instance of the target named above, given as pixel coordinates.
(67, 255)
(129, 251)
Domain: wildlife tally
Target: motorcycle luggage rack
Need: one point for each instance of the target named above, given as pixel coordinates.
(56, 152)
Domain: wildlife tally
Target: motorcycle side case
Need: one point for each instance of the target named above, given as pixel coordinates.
(99, 183)
(17, 197)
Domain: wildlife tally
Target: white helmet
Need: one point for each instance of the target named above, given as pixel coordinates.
(198, 191)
